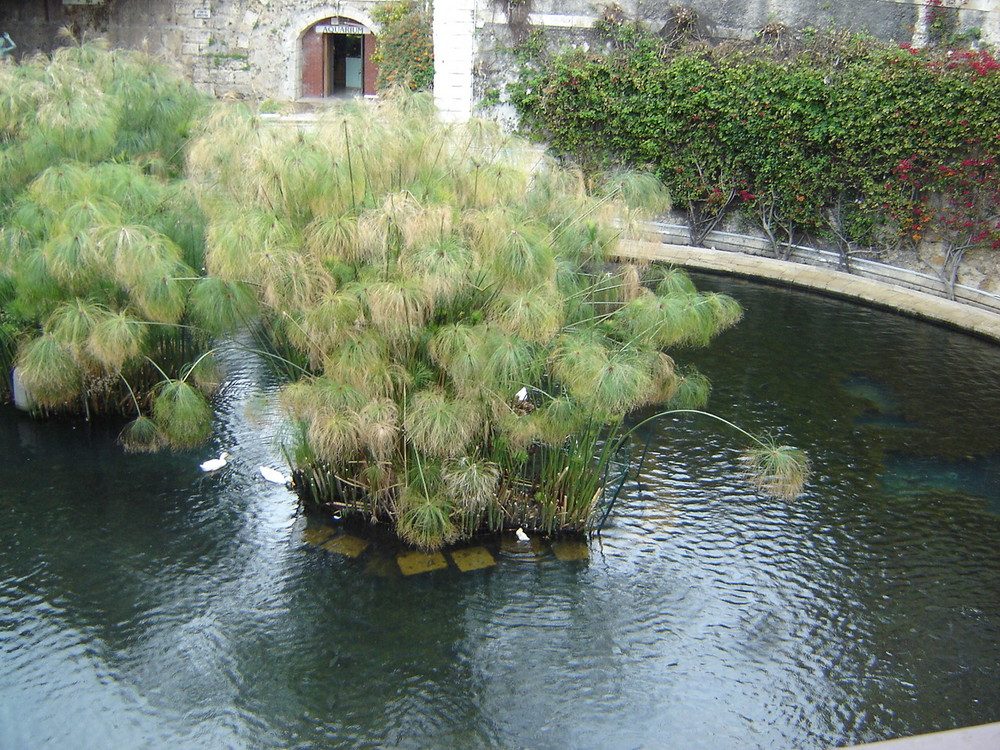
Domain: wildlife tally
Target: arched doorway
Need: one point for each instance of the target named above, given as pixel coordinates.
(337, 59)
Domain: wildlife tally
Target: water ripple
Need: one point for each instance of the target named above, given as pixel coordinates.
(143, 604)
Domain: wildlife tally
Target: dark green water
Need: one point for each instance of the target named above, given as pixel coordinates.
(143, 605)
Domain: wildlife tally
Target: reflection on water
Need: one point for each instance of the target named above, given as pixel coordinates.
(910, 467)
(877, 395)
(143, 604)
(977, 476)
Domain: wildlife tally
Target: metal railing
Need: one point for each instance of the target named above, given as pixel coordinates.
(677, 234)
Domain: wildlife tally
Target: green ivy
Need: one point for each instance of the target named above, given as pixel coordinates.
(802, 141)
(405, 54)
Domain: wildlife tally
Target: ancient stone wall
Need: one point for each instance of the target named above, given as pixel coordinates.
(244, 47)
(499, 23)
(254, 47)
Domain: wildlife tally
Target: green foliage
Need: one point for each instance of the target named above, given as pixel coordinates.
(8, 348)
(405, 53)
(804, 139)
(86, 104)
(439, 426)
(425, 519)
(100, 240)
(222, 307)
(141, 435)
(443, 271)
(780, 470)
(419, 278)
(471, 483)
(182, 414)
(89, 267)
(49, 372)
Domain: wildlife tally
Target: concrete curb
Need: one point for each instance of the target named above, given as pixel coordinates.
(984, 737)
(677, 234)
(982, 322)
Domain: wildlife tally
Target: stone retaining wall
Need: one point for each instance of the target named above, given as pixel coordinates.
(253, 47)
(886, 286)
(248, 48)
(896, 275)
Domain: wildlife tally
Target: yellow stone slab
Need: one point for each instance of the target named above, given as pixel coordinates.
(472, 558)
(346, 544)
(317, 534)
(568, 551)
(415, 562)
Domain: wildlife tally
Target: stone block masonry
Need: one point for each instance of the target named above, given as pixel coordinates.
(248, 48)
(254, 48)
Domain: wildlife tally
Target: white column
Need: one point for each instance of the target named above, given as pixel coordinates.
(454, 50)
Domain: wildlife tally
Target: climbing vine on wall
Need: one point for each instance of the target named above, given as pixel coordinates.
(405, 54)
(804, 139)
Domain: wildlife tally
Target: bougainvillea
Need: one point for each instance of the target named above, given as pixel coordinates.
(804, 140)
(405, 54)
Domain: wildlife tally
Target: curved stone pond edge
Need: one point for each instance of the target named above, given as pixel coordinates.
(879, 284)
(983, 737)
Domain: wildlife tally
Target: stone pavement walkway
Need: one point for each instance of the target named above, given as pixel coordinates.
(824, 280)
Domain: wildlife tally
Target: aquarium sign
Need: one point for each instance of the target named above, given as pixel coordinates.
(339, 28)
(202, 12)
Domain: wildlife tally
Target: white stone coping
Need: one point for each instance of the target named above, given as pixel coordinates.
(984, 737)
(893, 296)
(869, 269)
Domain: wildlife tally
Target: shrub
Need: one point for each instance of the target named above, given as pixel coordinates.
(470, 345)
(405, 53)
(101, 241)
(805, 139)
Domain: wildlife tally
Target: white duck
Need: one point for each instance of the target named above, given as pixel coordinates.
(214, 464)
(522, 395)
(521, 536)
(275, 476)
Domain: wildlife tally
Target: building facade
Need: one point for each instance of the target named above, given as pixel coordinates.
(277, 49)
(294, 49)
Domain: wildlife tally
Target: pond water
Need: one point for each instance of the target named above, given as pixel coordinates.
(144, 605)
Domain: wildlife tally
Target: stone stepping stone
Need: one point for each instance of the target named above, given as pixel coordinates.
(316, 535)
(570, 551)
(347, 544)
(412, 563)
(472, 558)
